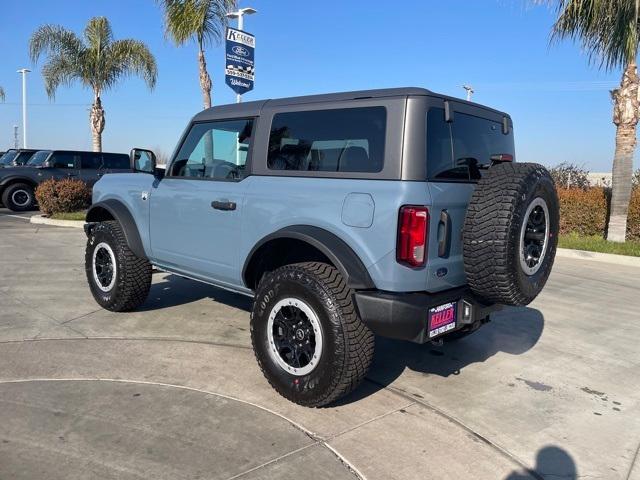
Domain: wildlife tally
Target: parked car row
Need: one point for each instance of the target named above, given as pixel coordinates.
(22, 170)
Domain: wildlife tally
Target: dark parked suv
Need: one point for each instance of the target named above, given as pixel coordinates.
(16, 157)
(17, 185)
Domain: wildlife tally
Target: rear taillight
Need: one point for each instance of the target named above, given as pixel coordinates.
(413, 225)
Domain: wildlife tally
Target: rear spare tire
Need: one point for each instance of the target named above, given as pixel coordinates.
(510, 233)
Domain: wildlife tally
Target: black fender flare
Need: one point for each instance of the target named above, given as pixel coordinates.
(332, 246)
(123, 216)
(17, 178)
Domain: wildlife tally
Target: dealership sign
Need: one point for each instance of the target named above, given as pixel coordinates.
(239, 70)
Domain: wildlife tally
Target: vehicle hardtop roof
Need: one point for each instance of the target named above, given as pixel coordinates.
(55, 150)
(254, 108)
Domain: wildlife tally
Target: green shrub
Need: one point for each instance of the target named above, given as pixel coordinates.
(63, 196)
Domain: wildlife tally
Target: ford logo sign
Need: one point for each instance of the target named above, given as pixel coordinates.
(238, 50)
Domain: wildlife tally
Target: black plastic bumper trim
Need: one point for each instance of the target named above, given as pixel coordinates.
(404, 315)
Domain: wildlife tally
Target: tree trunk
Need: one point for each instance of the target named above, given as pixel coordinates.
(205, 80)
(205, 85)
(625, 117)
(96, 118)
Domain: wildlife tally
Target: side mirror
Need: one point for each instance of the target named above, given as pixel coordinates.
(142, 160)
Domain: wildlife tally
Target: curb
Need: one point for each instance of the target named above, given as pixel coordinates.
(599, 257)
(42, 220)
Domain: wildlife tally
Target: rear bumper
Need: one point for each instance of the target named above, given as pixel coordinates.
(404, 316)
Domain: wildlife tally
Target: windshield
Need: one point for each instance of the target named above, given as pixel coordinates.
(8, 157)
(38, 158)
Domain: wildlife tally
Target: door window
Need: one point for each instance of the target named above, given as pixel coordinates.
(63, 160)
(115, 161)
(215, 150)
(91, 161)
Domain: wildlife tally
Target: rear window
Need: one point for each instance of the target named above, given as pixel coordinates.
(116, 161)
(340, 140)
(462, 150)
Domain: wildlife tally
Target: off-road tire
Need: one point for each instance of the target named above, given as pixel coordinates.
(348, 343)
(133, 274)
(8, 195)
(492, 229)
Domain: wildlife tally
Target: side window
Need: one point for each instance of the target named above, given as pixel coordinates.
(63, 160)
(115, 161)
(339, 140)
(91, 160)
(216, 150)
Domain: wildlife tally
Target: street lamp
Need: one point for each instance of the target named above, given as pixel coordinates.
(239, 14)
(24, 72)
(470, 91)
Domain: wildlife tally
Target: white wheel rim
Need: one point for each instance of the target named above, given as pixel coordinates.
(16, 195)
(300, 335)
(103, 248)
(531, 263)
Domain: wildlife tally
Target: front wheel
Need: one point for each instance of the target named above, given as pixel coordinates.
(307, 337)
(118, 279)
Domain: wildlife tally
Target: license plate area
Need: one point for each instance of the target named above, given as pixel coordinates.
(441, 319)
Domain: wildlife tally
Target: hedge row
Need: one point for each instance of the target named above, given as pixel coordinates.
(585, 211)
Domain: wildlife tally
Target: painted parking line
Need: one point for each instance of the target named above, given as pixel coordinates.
(15, 216)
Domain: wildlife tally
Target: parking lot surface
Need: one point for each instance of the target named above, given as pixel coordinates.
(172, 390)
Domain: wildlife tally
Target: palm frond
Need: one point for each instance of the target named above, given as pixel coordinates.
(98, 33)
(53, 38)
(201, 20)
(131, 57)
(59, 70)
(606, 29)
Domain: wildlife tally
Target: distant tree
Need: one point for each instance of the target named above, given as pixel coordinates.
(609, 32)
(636, 179)
(2, 94)
(161, 156)
(568, 175)
(200, 20)
(96, 60)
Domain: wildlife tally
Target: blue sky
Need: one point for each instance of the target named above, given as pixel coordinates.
(560, 104)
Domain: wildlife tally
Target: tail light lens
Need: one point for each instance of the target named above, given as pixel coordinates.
(413, 227)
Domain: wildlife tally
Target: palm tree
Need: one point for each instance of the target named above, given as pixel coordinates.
(609, 31)
(96, 60)
(199, 20)
(1, 94)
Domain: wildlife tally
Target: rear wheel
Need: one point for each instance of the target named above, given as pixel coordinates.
(119, 280)
(19, 197)
(307, 337)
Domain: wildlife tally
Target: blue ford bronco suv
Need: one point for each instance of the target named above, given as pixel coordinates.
(396, 212)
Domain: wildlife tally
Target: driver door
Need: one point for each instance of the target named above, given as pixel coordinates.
(196, 208)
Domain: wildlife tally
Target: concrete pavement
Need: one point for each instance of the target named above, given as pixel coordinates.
(172, 390)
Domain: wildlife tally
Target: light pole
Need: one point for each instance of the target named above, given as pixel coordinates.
(470, 91)
(239, 14)
(24, 72)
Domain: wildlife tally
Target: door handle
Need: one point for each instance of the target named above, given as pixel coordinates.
(444, 234)
(223, 205)
(71, 175)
